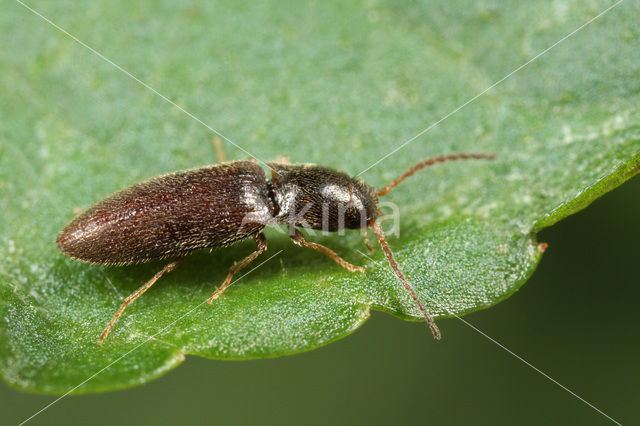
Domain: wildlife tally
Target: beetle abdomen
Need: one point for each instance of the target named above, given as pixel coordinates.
(172, 215)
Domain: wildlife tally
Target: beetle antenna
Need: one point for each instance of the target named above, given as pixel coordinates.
(394, 265)
(430, 162)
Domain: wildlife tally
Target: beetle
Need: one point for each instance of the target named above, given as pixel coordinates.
(172, 215)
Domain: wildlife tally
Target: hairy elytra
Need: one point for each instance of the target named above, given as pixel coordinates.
(170, 216)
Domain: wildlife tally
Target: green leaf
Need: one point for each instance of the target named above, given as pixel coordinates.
(340, 84)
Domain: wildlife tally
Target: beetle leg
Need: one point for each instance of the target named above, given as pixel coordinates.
(299, 239)
(133, 296)
(217, 145)
(365, 238)
(261, 240)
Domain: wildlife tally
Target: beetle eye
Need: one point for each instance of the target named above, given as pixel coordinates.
(355, 217)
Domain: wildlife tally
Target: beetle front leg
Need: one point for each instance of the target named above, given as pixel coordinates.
(299, 239)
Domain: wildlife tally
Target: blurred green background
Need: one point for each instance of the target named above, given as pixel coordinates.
(576, 320)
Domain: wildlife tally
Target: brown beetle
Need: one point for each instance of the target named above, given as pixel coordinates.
(172, 215)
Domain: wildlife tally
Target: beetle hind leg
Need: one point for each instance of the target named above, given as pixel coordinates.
(261, 240)
(133, 296)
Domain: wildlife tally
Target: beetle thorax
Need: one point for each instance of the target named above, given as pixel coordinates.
(316, 197)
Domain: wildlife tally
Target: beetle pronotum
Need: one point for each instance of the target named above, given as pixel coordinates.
(172, 215)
